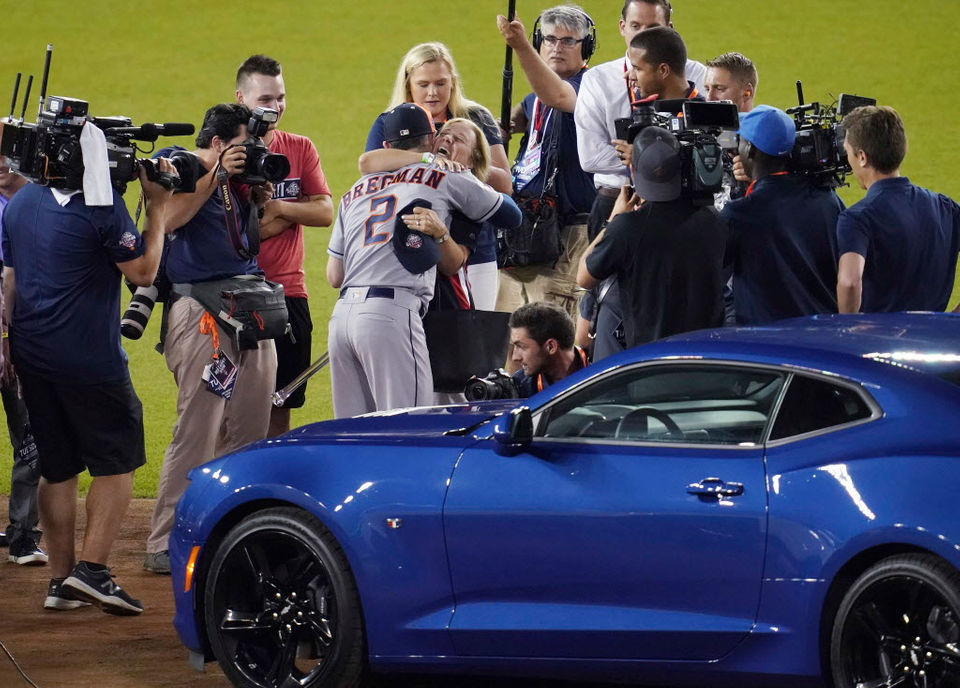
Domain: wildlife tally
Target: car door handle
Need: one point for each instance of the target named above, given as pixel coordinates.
(715, 487)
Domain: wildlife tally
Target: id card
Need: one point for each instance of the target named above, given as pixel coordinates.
(220, 375)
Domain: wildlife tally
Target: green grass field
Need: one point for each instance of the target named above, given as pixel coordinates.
(170, 61)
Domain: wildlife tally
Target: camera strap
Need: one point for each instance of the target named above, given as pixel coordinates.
(231, 215)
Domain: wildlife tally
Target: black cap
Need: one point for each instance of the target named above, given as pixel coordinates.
(416, 251)
(656, 165)
(405, 121)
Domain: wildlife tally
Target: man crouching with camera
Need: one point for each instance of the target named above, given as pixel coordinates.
(541, 342)
(223, 389)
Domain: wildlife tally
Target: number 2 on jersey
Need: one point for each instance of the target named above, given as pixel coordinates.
(382, 209)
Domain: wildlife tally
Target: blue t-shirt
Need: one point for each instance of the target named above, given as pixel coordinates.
(783, 249)
(909, 238)
(576, 186)
(201, 250)
(66, 324)
(486, 248)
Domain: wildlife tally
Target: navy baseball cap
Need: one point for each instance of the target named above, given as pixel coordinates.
(407, 120)
(656, 165)
(416, 251)
(770, 129)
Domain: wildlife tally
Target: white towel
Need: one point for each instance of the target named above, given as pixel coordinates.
(96, 169)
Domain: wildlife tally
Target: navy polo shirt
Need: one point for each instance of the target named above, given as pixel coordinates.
(66, 325)
(783, 249)
(200, 250)
(909, 238)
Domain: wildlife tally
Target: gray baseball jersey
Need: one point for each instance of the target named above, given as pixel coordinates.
(378, 351)
(362, 234)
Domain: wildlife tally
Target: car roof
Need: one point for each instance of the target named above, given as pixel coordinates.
(929, 342)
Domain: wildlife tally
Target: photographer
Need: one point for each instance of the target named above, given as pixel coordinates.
(63, 262)
(667, 255)
(303, 198)
(547, 168)
(541, 341)
(783, 243)
(898, 246)
(211, 420)
(607, 93)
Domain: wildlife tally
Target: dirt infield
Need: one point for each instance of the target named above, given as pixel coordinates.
(86, 648)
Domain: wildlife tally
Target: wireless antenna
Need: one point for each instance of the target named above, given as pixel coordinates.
(26, 97)
(800, 91)
(43, 85)
(16, 90)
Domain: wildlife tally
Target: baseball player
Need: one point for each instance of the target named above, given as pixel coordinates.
(378, 351)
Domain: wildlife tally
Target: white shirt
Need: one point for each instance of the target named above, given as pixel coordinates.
(603, 98)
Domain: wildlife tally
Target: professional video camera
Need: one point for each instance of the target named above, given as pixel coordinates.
(818, 151)
(262, 165)
(49, 152)
(696, 129)
(498, 384)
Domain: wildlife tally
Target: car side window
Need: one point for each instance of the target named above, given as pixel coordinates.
(688, 403)
(811, 404)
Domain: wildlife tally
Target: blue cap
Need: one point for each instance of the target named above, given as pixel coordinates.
(416, 251)
(407, 120)
(770, 129)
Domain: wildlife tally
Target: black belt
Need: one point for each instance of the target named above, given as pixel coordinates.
(608, 191)
(373, 292)
(576, 219)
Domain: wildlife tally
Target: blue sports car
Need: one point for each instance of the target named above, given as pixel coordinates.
(747, 506)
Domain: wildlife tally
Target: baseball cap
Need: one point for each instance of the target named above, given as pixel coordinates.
(407, 120)
(656, 165)
(416, 251)
(768, 128)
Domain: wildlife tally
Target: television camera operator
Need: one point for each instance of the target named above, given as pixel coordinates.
(224, 381)
(667, 255)
(541, 345)
(65, 247)
(783, 244)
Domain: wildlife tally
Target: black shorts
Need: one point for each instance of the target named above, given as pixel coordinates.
(294, 357)
(94, 427)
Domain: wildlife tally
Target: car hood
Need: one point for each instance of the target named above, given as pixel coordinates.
(419, 421)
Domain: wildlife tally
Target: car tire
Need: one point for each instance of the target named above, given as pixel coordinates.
(899, 624)
(281, 607)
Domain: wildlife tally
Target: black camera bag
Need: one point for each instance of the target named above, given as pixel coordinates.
(537, 239)
(247, 307)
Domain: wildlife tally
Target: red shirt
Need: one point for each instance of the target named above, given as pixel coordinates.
(281, 256)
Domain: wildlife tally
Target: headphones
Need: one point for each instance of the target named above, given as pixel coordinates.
(587, 47)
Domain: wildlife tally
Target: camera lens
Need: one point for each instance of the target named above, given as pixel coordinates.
(274, 167)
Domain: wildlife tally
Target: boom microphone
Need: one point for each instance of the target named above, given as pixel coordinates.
(151, 132)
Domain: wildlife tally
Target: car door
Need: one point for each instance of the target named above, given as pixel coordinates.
(632, 527)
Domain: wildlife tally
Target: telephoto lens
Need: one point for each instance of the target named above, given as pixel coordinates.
(138, 312)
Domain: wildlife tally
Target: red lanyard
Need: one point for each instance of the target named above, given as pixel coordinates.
(754, 182)
(540, 116)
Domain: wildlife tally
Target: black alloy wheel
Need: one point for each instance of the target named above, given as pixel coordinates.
(899, 626)
(280, 605)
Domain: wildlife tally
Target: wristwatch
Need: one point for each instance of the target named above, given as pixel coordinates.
(445, 236)
(428, 158)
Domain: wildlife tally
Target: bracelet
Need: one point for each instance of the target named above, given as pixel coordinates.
(6, 335)
(427, 158)
(446, 235)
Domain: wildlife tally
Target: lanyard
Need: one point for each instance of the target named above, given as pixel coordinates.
(754, 182)
(541, 114)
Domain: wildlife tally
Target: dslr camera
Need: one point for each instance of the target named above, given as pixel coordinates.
(697, 129)
(498, 384)
(262, 166)
(818, 152)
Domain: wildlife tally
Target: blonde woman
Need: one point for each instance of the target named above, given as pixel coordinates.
(428, 77)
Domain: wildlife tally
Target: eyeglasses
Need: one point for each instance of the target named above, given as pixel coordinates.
(566, 42)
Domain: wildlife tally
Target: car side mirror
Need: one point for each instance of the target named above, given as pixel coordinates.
(513, 431)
